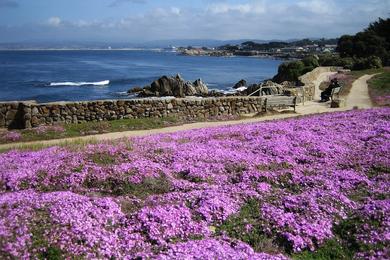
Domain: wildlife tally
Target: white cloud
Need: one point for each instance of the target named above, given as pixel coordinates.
(256, 7)
(54, 21)
(317, 6)
(175, 10)
(116, 3)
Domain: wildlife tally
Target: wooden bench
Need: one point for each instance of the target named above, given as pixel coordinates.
(335, 93)
(280, 101)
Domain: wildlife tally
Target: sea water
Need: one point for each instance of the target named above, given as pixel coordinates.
(47, 76)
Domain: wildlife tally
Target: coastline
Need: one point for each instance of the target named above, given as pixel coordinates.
(81, 49)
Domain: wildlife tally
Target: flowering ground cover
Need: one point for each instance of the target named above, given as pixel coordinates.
(315, 187)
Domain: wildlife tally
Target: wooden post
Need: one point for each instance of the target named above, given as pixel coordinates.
(295, 103)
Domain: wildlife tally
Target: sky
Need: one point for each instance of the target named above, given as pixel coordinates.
(139, 21)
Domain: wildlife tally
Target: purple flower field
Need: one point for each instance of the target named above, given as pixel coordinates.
(298, 188)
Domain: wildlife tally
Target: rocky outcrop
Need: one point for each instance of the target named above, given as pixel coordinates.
(200, 87)
(240, 84)
(174, 86)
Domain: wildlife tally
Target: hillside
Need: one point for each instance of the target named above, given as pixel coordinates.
(303, 188)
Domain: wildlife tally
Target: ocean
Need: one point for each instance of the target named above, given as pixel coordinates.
(48, 76)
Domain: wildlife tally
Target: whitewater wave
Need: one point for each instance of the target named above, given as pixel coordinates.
(69, 83)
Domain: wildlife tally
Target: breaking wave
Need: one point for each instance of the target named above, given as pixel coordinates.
(99, 83)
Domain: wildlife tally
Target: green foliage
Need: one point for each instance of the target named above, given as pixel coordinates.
(245, 226)
(249, 45)
(310, 61)
(290, 71)
(41, 223)
(119, 187)
(371, 62)
(379, 88)
(185, 175)
(51, 253)
(102, 158)
(381, 28)
(274, 166)
(374, 41)
(331, 249)
(335, 60)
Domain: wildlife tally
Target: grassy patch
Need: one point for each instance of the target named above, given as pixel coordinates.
(360, 73)
(185, 175)
(245, 226)
(119, 187)
(93, 128)
(348, 229)
(379, 88)
(274, 166)
(332, 249)
(73, 144)
(102, 158)
(40, 224)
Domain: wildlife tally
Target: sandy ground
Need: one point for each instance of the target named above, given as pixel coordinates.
(358, 98)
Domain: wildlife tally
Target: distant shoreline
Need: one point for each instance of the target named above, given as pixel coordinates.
(78, 49)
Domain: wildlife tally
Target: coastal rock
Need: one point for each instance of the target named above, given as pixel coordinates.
(214, 93)
(135, 90)
(240, 84)
(189, 89)
(174, 86)
(200, 87)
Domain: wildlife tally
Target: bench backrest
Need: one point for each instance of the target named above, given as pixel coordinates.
(288, 101)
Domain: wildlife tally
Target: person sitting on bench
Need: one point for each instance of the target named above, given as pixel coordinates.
(325, 95)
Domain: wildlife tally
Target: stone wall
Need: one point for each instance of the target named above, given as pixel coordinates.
(11, 115)
(31, 114)
(309, 78)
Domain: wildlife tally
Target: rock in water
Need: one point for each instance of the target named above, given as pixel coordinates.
(175, 86)
(240, 84)
(168, 86)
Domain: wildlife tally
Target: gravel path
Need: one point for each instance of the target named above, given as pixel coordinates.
(358, 97)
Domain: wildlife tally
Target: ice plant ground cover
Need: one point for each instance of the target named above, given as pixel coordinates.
(310, 187)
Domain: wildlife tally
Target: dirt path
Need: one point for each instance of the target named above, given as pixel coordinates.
(358, 97)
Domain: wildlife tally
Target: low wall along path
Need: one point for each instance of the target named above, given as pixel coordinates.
(30, 114)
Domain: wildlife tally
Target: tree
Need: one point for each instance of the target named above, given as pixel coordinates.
(290, 71)
(373, 41)
(380, 28)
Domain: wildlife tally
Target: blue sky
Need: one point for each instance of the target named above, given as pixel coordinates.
(147, 20)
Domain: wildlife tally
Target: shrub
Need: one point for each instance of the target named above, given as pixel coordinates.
(371, 62)
(290, 71)
(311, 61)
